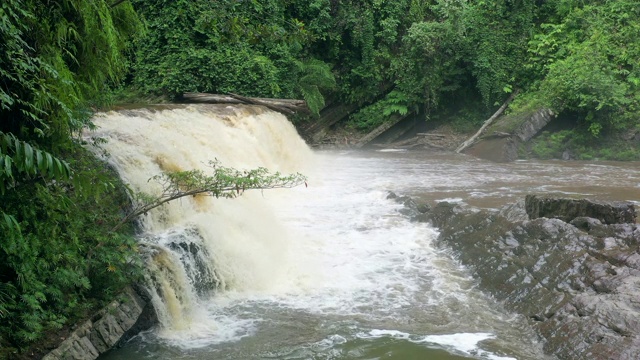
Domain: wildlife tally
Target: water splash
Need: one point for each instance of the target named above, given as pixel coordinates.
(198, 244)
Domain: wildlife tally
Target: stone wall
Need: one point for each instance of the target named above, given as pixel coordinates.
(103, 330)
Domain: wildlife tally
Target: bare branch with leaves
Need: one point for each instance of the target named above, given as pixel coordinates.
(224, 182)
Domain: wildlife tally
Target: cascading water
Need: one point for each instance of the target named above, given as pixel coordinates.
(330, 271)
(198, 244)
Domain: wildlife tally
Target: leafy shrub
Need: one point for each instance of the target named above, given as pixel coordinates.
(376, 114)
(63, 256)
(551, 145)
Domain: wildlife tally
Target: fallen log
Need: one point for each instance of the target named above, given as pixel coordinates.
(486, 124)
(289, 106)
(315, 131)
(394, 119)
(271, 106)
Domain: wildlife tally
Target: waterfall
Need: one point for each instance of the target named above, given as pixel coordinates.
(198, 245)
(329, 271)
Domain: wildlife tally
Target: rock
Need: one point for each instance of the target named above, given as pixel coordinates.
(530, 128)
(423, 208)
(494, 149)
(514, 212)
(411, 209)
(567, 155)
(104, 330)
(523, 128)
(569, 209)
(578, 282)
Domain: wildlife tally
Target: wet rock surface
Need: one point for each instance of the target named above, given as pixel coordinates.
(114, 323)
(569, 209)
(577, 280)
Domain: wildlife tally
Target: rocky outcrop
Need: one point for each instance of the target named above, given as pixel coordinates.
(501, 141)
(577, 281)
(105, 329)
(530, 128)
(569, 209)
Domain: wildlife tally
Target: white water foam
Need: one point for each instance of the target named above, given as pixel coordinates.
(464, 343)
(246, 241)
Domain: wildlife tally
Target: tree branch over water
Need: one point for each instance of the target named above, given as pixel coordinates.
(223, 182)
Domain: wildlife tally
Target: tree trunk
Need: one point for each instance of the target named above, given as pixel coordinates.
(486, 124)
(288, 106)
(396, 118)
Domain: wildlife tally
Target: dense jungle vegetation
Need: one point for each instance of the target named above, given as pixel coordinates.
(453, 61)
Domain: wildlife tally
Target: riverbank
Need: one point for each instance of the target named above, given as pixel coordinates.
(556, 140)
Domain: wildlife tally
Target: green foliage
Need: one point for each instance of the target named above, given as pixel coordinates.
(315, 76)
(374, 115)
(55, 59)
(552, 145)
(19, 161)
(224, 182)
(429, 65)
(588, 59)
(249, 48)
(573, 56)
(58, 251)
(496, 41)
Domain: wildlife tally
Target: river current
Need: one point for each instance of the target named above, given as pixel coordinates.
(332, 270)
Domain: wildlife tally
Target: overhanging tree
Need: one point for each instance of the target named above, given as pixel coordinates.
(223, 182)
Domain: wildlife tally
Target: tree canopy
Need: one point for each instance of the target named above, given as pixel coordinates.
(401, 56)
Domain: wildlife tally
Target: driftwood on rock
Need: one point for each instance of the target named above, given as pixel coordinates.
(288, 106)
(486, 124)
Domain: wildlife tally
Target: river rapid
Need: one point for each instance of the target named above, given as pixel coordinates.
(332, 270)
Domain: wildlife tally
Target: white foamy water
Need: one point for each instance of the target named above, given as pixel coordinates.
(462, 342)
(309, 272)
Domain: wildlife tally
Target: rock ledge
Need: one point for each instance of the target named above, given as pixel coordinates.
(103, 331)
(576, 276)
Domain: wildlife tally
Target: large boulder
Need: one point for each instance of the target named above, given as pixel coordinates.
(569, 209)
(577, 282)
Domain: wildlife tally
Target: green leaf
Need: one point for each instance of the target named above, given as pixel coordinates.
(40, 164)
(8, 170)
(28, 159)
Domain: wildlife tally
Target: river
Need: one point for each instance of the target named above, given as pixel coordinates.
(332, 270)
